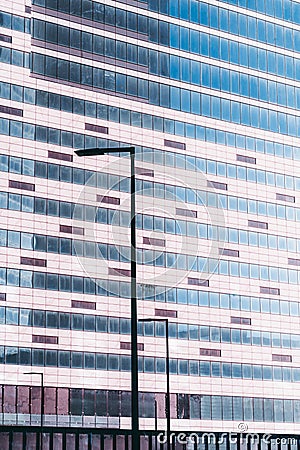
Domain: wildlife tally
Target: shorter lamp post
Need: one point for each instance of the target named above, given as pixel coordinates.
(167, 409)
(42, 403)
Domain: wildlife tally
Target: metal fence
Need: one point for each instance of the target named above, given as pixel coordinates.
(29, 438)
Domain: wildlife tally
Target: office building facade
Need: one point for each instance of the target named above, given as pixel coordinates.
(208, 94)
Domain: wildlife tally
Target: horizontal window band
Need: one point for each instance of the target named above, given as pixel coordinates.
(272, 209)
(146, 364)
(111, 405)
(79, 176)
(81, 107)
(86, 322)
(200, 298)
(116, 52)
(90, 249)
(147, 28)
(88, 55)
(160, 94)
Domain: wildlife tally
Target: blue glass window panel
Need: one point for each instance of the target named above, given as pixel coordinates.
(204, 44)
(205, 368)
(184, 39)
(203, 13)
(195, 42)
(174, 36)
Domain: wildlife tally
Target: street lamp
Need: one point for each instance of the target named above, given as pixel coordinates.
(168, 410)
(134, 349)
(42, 403)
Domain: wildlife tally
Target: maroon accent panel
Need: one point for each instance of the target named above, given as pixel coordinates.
(145, 172)
(115, 271)
(217, 185)
(27, 9)
(9, 109)
(258, 224)
(269, 290)
(282, 358)
(62, 401)
(6, 38)
(33, 261)
(60, 156)
(9, 399)
(161, 405)
(229, 252)
(2, 297)
(82, 304)
(96, 128)
(210, 352)
(108, 199)
(50, 400)
(21, 185)
(174, 144)
(241, 320)
(127, 346)
(165, 313)
(246, 159)
(4, 439)
(71, 230)
(198, 282)
(35, 400)
(285, 198)
(154, 241)
(44, 339)
(186, 212)
(23, 399)
(294, 262)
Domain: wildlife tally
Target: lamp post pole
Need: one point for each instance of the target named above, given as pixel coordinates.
(42, 404)
(168, 406)
(134, 348)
